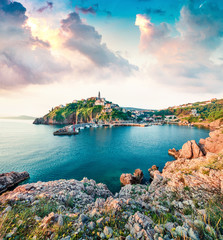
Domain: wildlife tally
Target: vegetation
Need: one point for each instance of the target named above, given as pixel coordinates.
(209, 112)
(85, 111)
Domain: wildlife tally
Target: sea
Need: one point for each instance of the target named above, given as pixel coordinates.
(102, 154)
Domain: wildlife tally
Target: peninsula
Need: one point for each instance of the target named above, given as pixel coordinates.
(101, 111)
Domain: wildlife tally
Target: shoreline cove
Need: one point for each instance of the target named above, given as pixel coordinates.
(174, 206)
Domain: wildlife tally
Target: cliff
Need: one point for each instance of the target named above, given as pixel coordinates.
(184, 201)
(84, 111)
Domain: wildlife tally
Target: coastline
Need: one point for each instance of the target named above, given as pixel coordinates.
(173, 206)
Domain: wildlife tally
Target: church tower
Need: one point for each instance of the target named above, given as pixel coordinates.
(99, 95)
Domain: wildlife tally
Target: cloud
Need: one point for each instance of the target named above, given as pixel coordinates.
(49, 5)
(24, 59)
(84, 10)
(183, 53)
(83, 38)
(92, 10)
(157, 11)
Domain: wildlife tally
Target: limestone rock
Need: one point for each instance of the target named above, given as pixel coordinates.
(139, 175)
(214, 143)
(173, 152)
(11, 179)
(127, 178)
(190, 150)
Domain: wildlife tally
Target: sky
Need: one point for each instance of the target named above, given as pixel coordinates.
(140, 53)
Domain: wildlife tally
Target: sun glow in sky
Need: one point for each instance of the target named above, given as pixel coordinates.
(149, 54)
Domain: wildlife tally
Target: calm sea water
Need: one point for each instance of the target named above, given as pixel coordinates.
(102, 154)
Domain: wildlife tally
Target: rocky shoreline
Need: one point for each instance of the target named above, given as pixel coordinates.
(184, 201)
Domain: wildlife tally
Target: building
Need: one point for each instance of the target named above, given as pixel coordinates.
(74, 101)
(169, 118)
(108, 105)
(194, 113)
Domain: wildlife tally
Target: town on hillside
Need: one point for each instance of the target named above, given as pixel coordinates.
(98, 110)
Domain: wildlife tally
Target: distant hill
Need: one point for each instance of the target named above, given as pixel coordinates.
(210, 110)
(22, 117)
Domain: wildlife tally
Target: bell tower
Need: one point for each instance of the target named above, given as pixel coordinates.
(99, 95)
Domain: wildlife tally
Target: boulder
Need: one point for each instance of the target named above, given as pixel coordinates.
(216, 124)
(11, 179)
(153, 170)
(214, 143)
(173, 152)
(139, 175)
(39, 121)
(127, 178)
(189, 150)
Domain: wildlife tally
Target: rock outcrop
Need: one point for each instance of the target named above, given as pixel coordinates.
(173, 152)
(9, 180)
(190, 150)
(214, 142)
(152, 171)
(136, 178)
(40, 121)
(216, 124)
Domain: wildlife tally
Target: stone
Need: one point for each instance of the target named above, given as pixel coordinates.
(60, 220)
(129, 237)
(190, 150)
(169, 226)
(214, 143)
(9, 235)
(11, 179)
(91, 225)
(100, 221)
(66, 238)
(159, 229)
(38, 219)
(173, 152)
(83, 218)
(181, 231)
(108, 232)
(7, 209)
(139, 175)
(137, 227)
(102, 236)
(128, 178)
(193, 235)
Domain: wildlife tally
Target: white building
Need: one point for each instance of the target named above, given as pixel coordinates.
(194, 113)
(169, 118)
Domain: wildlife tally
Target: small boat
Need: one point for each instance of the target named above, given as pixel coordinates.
(87, 126)
(95, 126)
(81, 128)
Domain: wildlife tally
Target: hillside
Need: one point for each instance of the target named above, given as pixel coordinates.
(205, 111)
(82, 111)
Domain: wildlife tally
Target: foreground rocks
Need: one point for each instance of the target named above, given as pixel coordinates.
(189, 150)
(214, 142)
(9, 180)
(128, 178)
